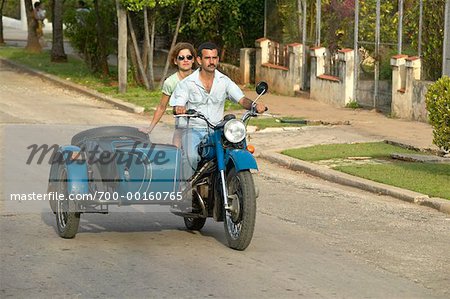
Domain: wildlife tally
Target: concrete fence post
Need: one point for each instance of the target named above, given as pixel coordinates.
(398, 73)
(346, 69)
(245, 64)
(407, 100)
(295, 65)
(262, 56)
(317, 61)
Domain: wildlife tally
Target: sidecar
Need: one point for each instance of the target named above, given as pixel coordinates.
(114, 165)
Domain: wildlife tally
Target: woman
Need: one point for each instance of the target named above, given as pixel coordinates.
(183, 56)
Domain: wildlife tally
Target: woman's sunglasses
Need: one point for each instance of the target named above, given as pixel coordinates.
(188, 57)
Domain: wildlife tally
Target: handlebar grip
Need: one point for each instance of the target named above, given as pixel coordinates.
(191, 111)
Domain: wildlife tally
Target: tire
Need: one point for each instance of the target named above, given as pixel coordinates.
(239, 222)
(110, 131)
(67, 221)
(194, 223)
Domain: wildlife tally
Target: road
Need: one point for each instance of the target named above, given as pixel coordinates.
(313, 239)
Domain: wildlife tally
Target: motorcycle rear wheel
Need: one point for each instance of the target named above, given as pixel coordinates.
(194, 223)
(239, 223)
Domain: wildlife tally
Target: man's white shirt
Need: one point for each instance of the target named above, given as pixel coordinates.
(191, 93)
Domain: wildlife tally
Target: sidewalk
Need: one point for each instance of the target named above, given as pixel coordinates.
(363, 126)
(369, 123)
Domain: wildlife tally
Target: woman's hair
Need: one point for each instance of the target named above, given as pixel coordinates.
(180, 46)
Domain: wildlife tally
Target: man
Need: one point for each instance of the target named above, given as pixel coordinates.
(205, 91)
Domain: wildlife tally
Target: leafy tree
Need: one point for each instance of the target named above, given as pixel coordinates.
(93, 33)
(2, 5)
(232, 24)
(438, 106)
(432, 35)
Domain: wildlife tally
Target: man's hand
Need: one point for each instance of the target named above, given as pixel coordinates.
(260, 107)
(247, 104)
(179, 110)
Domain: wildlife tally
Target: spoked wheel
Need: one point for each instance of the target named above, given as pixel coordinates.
(194, 223)
(239, 221)
(67, 221)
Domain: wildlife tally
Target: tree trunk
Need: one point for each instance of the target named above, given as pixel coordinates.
(122, 63)
(149, 41)
(134, 63)
(103, 58)
(138, 54)
(174, 40)
(33, 44)
(2, 39)
(58, 54)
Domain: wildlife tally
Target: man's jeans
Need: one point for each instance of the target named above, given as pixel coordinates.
(189, 143)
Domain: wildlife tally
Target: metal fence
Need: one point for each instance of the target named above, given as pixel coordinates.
(376, 29)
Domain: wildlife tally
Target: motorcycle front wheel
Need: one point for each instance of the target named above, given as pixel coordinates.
(239, 221)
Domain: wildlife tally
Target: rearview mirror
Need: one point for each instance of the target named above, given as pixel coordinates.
(262, 87)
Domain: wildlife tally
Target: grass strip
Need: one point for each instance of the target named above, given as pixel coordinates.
(342, 151)
(432, 179)
(425, 178)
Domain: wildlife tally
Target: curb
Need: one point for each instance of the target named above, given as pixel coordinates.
(78, 88)
(323, 172)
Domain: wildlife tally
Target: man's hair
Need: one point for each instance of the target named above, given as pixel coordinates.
(81, 3)
(37, 4)
(181, 46)
(207, 46)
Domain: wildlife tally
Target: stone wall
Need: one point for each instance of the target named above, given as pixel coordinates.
(337, 91)
(408, 92)
(282, 80)
(231, 71)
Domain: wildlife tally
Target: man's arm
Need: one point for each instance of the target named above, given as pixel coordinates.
(247, 104)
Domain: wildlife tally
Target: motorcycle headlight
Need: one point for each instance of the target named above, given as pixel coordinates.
(234, 131)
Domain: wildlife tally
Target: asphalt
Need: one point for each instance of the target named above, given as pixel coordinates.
(369, 123)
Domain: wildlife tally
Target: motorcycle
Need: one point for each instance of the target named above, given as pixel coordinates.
(223, 186)
(120, 166)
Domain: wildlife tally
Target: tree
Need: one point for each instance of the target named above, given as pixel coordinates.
(33, 44)
(57, 54)
(174, 40)
(437, 100)
(122, 34)
(102, 52)
(2, 4)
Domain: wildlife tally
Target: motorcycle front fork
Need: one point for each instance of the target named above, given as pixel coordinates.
(225, 192)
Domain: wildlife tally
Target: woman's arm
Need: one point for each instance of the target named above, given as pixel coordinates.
(159, 111)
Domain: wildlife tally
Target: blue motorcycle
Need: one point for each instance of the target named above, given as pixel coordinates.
(120, 166)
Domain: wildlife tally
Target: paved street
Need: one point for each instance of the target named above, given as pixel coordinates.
(312, 238)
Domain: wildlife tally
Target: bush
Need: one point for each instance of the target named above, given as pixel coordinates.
(81, 29)
(438, 106)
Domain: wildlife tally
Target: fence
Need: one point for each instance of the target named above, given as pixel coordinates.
(376, 29)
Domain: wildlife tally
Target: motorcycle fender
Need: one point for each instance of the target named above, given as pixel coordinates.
(77, 174)
(243, 160)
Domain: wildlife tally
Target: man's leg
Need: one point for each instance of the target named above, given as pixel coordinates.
(190, 141)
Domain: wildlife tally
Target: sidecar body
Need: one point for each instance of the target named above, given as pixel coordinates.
(113, 166)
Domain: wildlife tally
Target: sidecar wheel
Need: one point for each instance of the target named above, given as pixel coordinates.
(67, 221)
(194, 223)
(239, 222)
